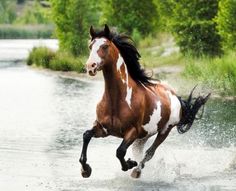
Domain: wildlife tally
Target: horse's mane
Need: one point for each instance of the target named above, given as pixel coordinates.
(130, 55)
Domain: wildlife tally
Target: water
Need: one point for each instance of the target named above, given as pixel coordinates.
(43, 116)
(19, 49)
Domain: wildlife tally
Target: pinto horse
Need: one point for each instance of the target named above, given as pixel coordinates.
(133, 107)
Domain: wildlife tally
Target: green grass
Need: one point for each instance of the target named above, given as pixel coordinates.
(219, 73)
(58, 61)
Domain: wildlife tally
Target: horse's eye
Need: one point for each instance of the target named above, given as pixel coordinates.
(104, 47)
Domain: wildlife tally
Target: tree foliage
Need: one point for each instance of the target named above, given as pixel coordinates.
(7, 11)
(129, 15)
(165, 11)
(226, 23)
(72, 19)
(194, 27)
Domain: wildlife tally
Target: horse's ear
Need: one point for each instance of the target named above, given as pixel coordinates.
(92, 32)
(106, 30)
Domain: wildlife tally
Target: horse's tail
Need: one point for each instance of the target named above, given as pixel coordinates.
(190, 108)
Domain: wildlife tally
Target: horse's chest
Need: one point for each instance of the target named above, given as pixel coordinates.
(114, 119)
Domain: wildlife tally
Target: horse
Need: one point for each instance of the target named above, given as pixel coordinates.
(133, 107)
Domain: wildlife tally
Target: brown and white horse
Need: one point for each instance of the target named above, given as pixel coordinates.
(132, 107)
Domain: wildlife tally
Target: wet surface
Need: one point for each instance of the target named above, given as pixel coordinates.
(43, 117)
(19, 49)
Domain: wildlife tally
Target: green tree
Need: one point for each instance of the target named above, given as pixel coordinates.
(35, 14)
(129, 15)
(194, 27)
(226, 23)
(165, 10)
(72, 19)
(7, 11)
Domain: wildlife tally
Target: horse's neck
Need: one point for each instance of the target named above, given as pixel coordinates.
(116, 82)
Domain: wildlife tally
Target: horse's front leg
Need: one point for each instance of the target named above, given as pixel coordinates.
(129, 138)
(96, 131)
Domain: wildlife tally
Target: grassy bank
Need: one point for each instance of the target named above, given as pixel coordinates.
(58, 61)
(26, 31)
(218, 73)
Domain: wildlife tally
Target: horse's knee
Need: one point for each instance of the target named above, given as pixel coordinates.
(120, 152)
(87, 136)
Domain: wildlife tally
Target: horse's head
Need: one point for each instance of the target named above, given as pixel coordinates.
(100, 50)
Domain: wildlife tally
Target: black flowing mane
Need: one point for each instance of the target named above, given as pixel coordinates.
(130, 55)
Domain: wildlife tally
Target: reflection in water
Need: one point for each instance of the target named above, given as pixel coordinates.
(43, 117)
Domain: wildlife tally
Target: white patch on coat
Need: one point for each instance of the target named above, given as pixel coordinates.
(94, 57)
(175, 108)
(119, 63)
(151, 127)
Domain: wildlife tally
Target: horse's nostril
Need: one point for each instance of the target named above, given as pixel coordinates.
(93, 65)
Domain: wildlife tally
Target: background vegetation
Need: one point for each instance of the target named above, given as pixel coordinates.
(25, 19)
(203, 30)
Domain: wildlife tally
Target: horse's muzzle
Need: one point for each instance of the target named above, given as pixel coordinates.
(92, 68)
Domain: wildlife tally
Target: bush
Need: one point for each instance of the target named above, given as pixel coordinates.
(226, 22)
(194, 27)
(64, 61)
(40, 56)
(59, 61)
(219, 73)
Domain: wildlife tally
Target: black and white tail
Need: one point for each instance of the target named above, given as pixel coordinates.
(190, 108)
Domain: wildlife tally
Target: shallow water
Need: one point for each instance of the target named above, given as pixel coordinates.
(43, 116)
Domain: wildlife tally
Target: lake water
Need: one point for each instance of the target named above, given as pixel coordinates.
(43, 116)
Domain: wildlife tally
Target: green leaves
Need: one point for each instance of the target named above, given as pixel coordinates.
(194, 27)
(72, 19)
(129, 15)
(226, 23)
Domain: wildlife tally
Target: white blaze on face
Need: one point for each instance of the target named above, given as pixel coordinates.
(94, 57)
(175, 108)
(119, 63)
(151, 126)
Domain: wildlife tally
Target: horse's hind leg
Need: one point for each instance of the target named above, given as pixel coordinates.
(137, 148)
(129, 138)
(96, 131)
(150, 152)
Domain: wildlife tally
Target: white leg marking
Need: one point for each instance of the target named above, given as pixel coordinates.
(119, 63)
(137, 148)
(174, 112)
(151, 126)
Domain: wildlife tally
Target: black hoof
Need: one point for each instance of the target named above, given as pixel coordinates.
(86, 171)
(136, 173)
(131, 163)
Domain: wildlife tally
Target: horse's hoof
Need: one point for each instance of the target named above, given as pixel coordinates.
(86, 171)
(136, 173)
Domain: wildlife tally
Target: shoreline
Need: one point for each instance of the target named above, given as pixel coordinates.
(169, 71)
